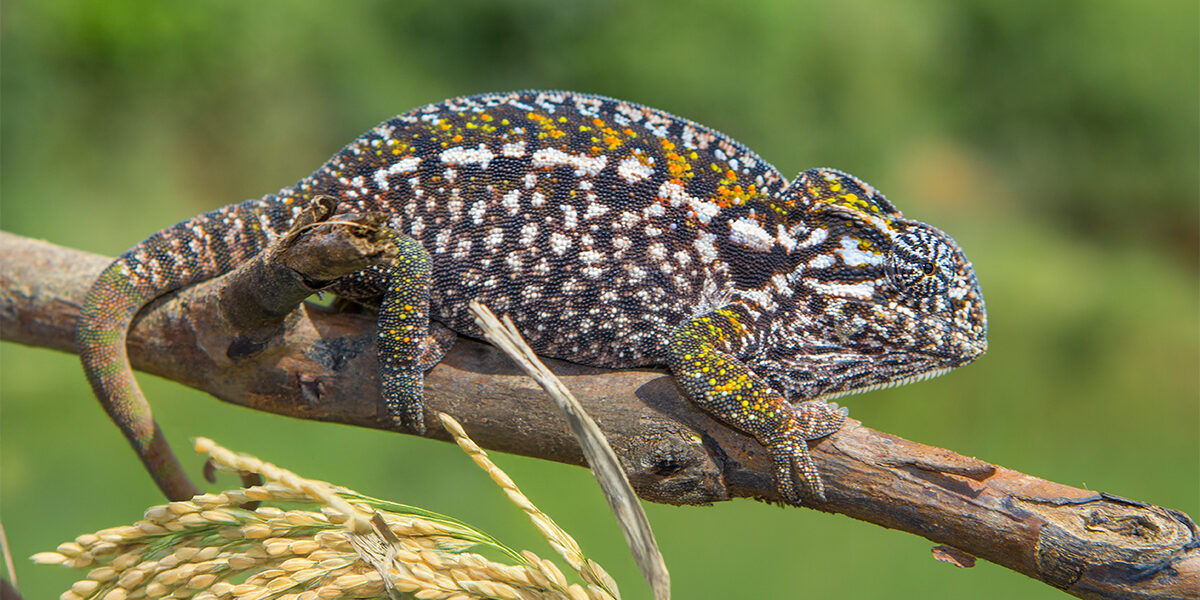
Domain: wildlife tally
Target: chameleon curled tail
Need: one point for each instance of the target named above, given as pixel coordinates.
(191, 251)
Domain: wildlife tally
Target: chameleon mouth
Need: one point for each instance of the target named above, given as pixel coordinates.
(930, 374)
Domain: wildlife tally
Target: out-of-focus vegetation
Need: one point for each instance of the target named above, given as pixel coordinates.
(1057, 141)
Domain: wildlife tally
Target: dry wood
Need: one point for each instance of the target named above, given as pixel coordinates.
(322, 366)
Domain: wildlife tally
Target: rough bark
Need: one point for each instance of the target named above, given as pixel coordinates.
(320, 364)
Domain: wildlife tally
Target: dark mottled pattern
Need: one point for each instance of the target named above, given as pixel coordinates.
(613, 235)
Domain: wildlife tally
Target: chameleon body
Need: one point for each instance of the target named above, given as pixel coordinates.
(613, 235)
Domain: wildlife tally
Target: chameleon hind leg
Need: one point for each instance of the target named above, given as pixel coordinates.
(700, 356)
(407, 346)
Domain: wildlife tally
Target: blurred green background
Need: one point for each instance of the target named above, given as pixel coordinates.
(1057, 141)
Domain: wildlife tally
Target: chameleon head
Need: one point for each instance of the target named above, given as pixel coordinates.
(879, 300)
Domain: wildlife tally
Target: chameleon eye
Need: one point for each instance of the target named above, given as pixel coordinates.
(920, 264)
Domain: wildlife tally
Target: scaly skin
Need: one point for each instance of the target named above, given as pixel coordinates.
(613, 235)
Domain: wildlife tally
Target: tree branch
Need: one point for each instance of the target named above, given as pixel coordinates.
(322, 366)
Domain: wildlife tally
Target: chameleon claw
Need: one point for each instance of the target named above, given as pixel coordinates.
(789, 453)
(808, 470)
(402, 395)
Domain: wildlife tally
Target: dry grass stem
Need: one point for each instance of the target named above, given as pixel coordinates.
(600, 456)
(306, 540)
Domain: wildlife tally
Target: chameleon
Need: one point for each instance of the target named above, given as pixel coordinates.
(613, 235)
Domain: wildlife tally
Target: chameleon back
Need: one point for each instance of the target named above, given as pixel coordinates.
(597, 225)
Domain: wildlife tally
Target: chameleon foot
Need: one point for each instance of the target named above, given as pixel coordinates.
(403, 397)
(789, 447)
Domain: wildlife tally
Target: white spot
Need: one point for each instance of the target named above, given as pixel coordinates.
(592, 272)
(676, 195)
(628, 219)
(418, 225)
(494, 238)
(636, 273)
(853, 256)
(657, 251)
(441, 240)
(513, 150)
(462, 250)
(781, 283)
(512, 202)
(632, 170)
(450, 175)
(589, 257)
(784, 238)
(652, 231)
(862, 290)
(528, 234)
(822, 261)
(530, 180)
(407, 164)
(621, 243)
(481, 156)
(584, 165)
(747, 233)
(477, 211)
(683, 257)
(559, 243)
(654, 210)
(594, 210)
(816, 237)
(705, 246)
(537, 199)
(513, 260)
(570, 216)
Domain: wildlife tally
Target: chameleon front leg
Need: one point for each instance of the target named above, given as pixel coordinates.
(406, 346)
(700, 357)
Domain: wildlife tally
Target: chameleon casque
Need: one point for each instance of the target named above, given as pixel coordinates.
(613, 235)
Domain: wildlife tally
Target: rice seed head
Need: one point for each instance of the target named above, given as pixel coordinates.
(191, 549)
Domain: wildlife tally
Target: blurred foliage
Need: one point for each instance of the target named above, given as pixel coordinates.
(1057, 141)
